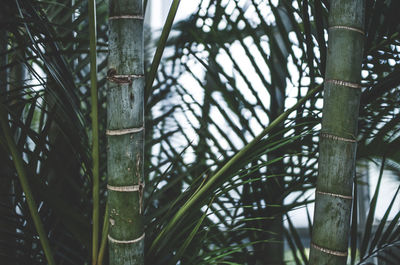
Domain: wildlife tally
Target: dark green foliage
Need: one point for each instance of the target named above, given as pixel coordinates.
(192, 129)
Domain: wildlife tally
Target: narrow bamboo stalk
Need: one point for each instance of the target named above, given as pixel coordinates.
(22, 175)
(95, 129)
(125, 132)
(104, 234)
(160, 47)
(338, 134)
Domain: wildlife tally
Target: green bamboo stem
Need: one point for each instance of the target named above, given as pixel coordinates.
(125, 132)
(342, 90)
(95, 129)
(209, 184)
(160, 47)
(22, 175)
(104, 234)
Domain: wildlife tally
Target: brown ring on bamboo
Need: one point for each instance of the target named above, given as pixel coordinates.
(139, 17)
(124, 131)
(343, 83)
(126, 241)
(329, 251)
(337, 138)
(335, 195)
(348, 28)
(123, 79)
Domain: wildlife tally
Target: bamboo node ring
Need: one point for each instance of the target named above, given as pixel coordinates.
(124, 131)
(335, 195)
(112, 76)
(329, 251)
(132, 188)
(348, 28)
(343, 83)
(337, 138)
(126, 241)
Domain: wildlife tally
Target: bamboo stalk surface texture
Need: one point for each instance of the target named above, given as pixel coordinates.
(125, 132)
(342, 92)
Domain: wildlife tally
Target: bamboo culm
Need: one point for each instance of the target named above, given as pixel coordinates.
(336, 165)
(125, 132)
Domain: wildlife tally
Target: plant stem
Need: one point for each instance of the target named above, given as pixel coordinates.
(103, 244)
(160, 48)
(338, 145)
(125, 132)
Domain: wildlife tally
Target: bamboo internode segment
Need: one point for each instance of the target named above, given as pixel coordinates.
(329, 251)
(335, 195)
(343, 83)
(348, 28)
(126, 241)
(124, 131)
(139, 17)
(126, 188)
(337, 138)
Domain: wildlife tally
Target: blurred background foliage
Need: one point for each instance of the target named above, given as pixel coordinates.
(229, 70)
